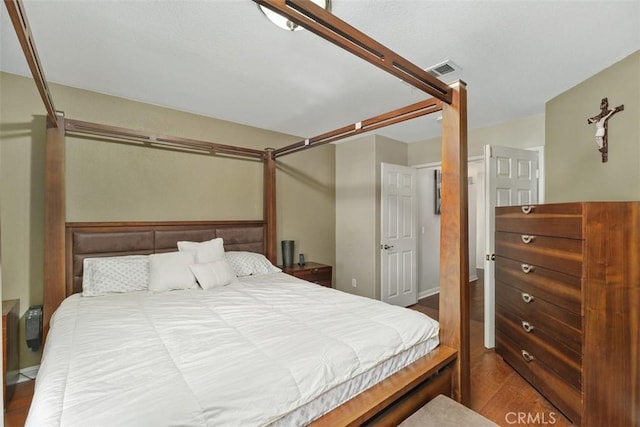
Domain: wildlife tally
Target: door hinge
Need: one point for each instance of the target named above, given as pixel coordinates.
(491, 257)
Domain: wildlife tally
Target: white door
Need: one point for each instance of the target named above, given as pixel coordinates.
(511, 179)
(398, 245)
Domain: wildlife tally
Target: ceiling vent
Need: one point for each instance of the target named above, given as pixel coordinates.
(444, 69)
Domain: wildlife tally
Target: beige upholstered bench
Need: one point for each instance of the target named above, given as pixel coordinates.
(445, 412)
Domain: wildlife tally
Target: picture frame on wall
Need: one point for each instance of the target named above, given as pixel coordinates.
(437, 178)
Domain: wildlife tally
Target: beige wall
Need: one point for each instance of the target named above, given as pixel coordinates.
(358, 210)
(22, 134)
(107, 181)
(355, 216)
(522, 133)
(574, 166)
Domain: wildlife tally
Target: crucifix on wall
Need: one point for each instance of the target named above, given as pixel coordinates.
(601, 120)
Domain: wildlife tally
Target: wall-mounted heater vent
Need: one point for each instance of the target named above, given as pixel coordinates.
(443, 69)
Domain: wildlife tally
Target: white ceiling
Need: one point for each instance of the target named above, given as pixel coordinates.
(223, 59)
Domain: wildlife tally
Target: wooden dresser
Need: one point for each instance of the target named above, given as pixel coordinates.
(568, 305)
(312, 272)
(10, 317)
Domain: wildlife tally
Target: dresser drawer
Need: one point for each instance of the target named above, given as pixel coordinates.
(561, 220)
(566, 398)
(554, 253)
(564, 362)
(562, 290)
(555, 323)
(321, 275)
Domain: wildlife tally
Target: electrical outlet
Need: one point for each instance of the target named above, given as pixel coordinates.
(354, 283)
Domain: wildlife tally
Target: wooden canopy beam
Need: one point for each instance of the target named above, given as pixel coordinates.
(77, 127)
(409, 112)
(328, 26)
(54, 220)
(269, 200)
(454, 244)
(23, 31)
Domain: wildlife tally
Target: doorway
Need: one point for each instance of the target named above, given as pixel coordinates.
(429, 225)
(480, 218)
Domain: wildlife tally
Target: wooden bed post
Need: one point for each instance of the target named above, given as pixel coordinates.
(454, 241)
(54, 220)
(271, 251)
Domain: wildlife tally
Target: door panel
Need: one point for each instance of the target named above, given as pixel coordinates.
(511, 179)
(398, 246)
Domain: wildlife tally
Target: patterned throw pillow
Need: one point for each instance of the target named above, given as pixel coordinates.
(250, 264)
(108, 275)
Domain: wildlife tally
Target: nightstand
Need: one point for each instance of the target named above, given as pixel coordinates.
(10, 318)
(311, 272)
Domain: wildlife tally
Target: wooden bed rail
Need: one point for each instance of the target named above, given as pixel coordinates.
(78, 127)
(399, 115)
(328, 26)
(23, 31)
(390, 402)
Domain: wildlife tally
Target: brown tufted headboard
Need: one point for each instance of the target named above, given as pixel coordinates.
(100, 239)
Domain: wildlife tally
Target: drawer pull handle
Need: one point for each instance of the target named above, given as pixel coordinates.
(315, 270)
(527, 326)
(526, 297)
(527, 209)
(526, 239)
(526, 268)
(528, 357)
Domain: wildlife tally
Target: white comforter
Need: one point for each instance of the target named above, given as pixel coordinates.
(246, 354)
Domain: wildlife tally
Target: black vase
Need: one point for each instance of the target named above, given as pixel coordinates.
(287, 253)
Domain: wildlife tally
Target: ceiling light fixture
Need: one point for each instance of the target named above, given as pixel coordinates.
(284, 22)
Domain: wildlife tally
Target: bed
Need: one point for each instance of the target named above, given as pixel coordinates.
(443, 370)
(121, 354)
(196, 357)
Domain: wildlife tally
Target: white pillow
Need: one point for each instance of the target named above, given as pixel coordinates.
(170, 271)
(107, 275)
(250, 263)
(213, 274)
(209, 251)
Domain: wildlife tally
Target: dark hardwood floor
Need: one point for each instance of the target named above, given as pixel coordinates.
(18, 407)
(497, 391)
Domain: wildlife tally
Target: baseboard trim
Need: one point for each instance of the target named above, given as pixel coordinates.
(28, 373)
(428, 293)
(433, 291)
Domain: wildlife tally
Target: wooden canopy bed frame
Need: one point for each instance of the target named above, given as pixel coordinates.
(446, 369)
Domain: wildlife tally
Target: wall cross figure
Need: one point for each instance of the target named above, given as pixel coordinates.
(602, 127)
